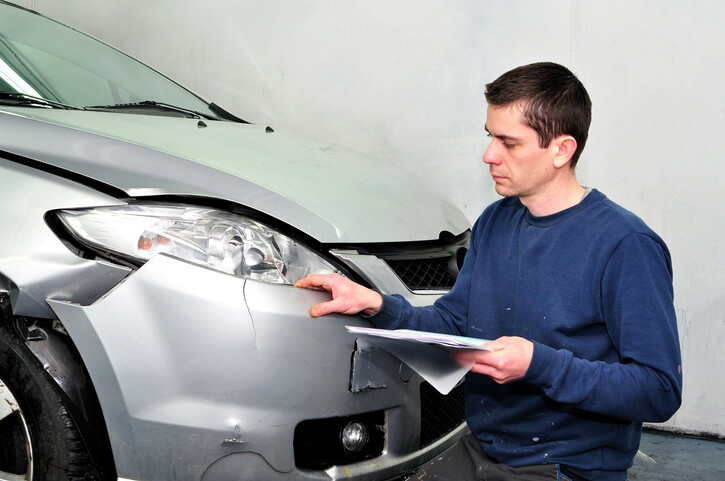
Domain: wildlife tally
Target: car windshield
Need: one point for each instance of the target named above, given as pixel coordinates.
(42, 59)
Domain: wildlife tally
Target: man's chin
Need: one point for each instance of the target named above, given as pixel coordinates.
(503, 192)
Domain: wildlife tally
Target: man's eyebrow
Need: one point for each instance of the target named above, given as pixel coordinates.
(502, 137)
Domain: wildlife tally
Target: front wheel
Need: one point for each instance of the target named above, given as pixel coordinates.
(38, 439)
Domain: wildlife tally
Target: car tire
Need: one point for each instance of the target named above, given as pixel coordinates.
(36, 425)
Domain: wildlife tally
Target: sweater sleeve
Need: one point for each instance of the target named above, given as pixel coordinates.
(637, 305)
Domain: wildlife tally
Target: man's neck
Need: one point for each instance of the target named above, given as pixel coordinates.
(556, 198)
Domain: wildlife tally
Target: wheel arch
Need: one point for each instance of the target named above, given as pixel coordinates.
(60, 360)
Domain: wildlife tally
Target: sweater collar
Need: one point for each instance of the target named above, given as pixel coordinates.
(561, 216)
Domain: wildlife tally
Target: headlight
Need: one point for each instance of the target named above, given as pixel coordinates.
(220, 240)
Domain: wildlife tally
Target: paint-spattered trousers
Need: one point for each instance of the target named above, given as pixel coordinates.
(466, 461)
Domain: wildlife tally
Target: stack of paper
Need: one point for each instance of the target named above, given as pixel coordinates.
(443, 340)
(427, 353)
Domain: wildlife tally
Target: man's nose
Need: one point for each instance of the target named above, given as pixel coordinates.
(491, 155)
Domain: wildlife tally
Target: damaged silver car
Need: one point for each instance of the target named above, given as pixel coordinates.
(149, 329)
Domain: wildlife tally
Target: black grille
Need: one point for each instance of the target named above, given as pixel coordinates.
(439, 414)
(421, 265)
(424, 274)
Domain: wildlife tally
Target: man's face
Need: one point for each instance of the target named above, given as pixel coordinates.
(517, 164)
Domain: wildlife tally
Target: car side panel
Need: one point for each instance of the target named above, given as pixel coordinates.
(34, 263)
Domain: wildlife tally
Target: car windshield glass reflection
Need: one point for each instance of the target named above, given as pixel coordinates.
(41, 59)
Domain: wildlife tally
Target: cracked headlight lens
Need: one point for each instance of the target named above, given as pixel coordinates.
(217, 239)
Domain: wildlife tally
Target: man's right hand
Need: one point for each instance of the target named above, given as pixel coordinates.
(348, 297)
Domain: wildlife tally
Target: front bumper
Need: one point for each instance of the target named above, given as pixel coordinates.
(205, 376)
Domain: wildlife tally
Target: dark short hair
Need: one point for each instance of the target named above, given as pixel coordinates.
(554, 101)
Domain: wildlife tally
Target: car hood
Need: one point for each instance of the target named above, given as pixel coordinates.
(329, 193)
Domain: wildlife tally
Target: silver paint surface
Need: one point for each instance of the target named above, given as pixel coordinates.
(34, 263)
(157, 336)
(327, 192)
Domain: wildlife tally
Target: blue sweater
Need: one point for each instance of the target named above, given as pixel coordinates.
(591, 286)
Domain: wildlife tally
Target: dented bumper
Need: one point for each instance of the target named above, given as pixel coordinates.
(213, 374)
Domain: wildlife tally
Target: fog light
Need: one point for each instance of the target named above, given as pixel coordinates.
(354, 437)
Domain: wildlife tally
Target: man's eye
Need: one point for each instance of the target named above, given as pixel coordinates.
(508, 145)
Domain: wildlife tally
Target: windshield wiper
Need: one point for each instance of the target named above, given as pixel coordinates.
(151, 105)
(21, 98)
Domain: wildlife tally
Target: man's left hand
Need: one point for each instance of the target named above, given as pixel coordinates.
(508, 360)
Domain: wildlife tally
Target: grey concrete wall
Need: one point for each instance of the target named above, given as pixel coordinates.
(404, 81)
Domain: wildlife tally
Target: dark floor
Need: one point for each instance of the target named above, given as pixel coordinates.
(678, 458)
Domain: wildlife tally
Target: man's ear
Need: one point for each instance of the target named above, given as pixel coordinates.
(565, 147)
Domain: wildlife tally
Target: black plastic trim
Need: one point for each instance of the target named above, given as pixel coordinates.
(62, 363)
(66, 174)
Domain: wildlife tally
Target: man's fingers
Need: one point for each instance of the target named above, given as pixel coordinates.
(313, 281)
(324, 308)
(320, 309)
(498, 344)
(347, 296)
(508, 361)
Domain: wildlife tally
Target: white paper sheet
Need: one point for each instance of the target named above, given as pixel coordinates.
(426, 353)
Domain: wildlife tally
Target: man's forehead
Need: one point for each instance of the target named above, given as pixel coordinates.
(506, 120)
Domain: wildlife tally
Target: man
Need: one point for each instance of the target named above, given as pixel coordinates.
(575, 290)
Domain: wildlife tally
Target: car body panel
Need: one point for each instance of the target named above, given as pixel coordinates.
(41, 266)
(187, 321)
(285, 176)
